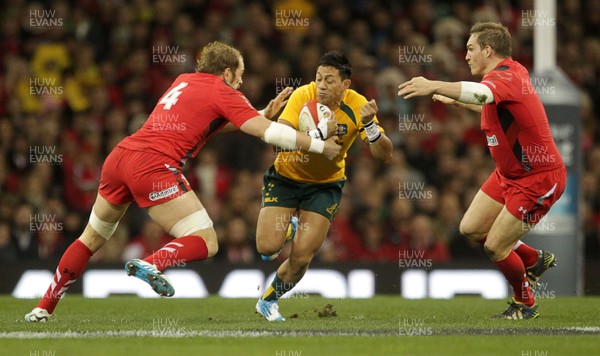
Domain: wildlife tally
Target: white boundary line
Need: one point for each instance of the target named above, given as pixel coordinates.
(183, 333)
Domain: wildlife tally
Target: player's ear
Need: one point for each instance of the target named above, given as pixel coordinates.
(227, 75)
(346, 83)
(488, 51)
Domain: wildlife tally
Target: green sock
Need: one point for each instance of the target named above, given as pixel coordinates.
(277, 289)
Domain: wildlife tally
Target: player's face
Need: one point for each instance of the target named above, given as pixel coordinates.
(475, 57)
(330, 86)
(234, 79)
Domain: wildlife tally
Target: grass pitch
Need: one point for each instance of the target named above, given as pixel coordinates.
(314, 326)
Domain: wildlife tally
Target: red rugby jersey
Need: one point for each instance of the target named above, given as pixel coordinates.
(516, 125)
(192, 110)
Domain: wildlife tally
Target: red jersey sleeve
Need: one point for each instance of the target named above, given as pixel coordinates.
(504, 84)
(233, 105)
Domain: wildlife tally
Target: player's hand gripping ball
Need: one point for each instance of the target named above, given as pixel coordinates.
(315, 115)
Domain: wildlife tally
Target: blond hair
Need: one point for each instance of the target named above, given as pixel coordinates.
(215, 57)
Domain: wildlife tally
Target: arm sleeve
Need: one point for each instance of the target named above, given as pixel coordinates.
(234, 106)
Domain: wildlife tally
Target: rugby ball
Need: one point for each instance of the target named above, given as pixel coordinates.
(311, 113)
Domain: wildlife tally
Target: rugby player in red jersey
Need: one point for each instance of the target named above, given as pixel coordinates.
(530, 175)
(146, 167)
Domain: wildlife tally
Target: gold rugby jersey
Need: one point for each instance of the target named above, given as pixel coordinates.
(307, 167)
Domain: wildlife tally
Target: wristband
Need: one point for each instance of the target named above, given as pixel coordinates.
(316, 133)
(316, 146)
(372, 130)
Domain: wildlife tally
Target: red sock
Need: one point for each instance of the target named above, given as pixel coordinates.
(177, 252)
(514, 271)
(527, 254)
(69, 268)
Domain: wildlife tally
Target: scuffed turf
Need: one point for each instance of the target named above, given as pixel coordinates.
(382, 325)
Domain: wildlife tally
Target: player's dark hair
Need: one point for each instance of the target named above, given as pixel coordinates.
(337, 60)
(494, 35)
(216, 57)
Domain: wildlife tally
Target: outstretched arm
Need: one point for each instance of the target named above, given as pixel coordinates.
(464, 92)
(270, 111)
(449, 101)
(281, 135)
(420, 86)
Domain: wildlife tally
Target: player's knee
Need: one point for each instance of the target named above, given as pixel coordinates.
(101, 228)
(212, 246)
(494, 250)
(465, 228)
(266, 246)
(268, 241)
(470, 230)
(211, 241)
(92, 239)
(199, 224)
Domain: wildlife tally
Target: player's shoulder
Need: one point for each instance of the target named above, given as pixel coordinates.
(508, 70)
(197, 82)
(354, 99)
(304, 93)
(190, 77)
(309, 91)
(202, 79)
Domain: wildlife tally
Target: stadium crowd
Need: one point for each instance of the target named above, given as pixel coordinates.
(78, 76)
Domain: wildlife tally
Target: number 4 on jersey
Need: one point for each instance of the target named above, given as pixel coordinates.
(172, 96)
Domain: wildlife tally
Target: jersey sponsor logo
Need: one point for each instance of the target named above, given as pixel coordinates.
(163, 193)
(492, 140)
(271, 200)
